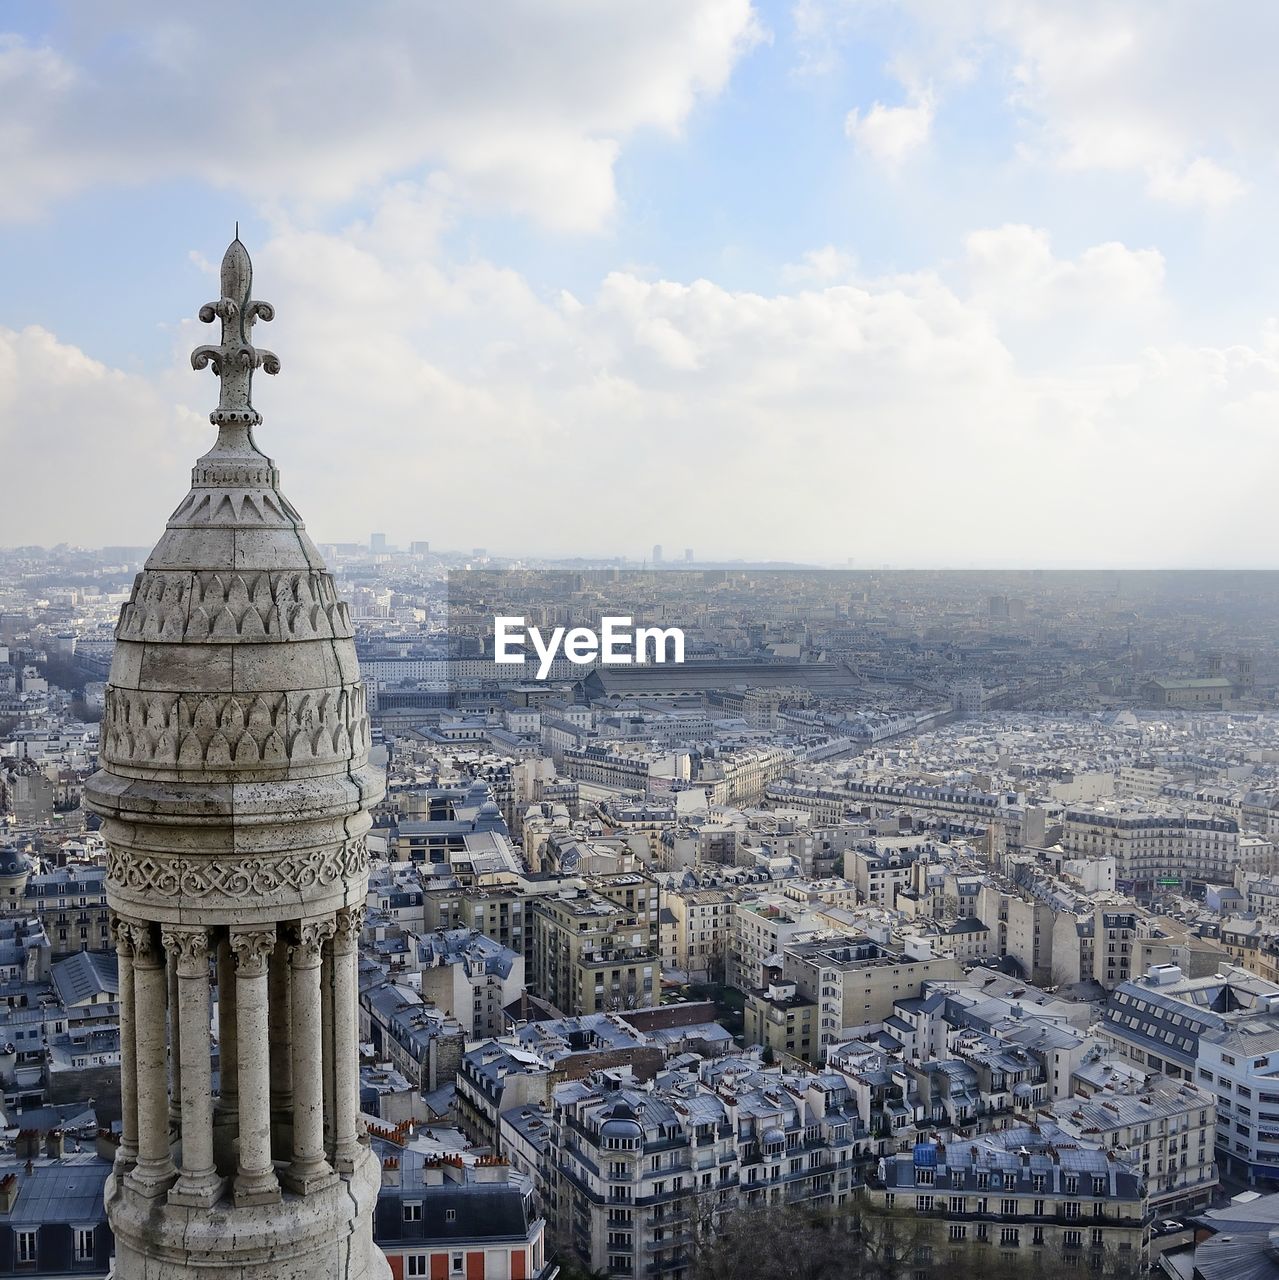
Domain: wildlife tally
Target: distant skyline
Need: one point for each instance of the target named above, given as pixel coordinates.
(926, 283)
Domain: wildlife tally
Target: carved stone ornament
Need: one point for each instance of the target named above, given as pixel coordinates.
(204, 607)
(350, 921)
(189, 948)
(145, 944)
(235, 358)
(226, 730)
(192, 877)
(308, 942)
(122, 935)
(252, 948)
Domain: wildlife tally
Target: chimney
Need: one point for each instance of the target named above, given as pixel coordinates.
(55, 1144)
(108, 1144)
(391, 1171)
(8, 1192)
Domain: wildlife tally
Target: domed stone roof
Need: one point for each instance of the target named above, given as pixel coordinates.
(13, 862)
(235, 736)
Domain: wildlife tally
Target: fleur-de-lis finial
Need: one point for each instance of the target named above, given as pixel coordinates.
(236, 358)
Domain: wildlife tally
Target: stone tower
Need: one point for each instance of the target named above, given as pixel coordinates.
(234, 793)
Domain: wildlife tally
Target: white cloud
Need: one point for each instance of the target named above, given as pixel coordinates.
(1178, 94)
(890, 134)
(523, 104)
(864, 417)
(1013, 272)
(819, 28)
(77, 431)
(820, 266)
(1202, 182)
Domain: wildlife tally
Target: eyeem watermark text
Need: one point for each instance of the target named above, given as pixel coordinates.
(618, 643)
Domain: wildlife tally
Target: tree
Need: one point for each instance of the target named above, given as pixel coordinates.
(865, 1241)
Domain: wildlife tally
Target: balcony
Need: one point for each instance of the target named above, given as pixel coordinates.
(671, 1240)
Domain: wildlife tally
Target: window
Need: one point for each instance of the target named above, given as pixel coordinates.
(84, 1244)
(457, 1262)
(958, 1231)
(26, 1247)
(419, 1264)
(412, 1211)
(923, 1204)
(450, 1215)
(1009, 1237)
(1008, 1208)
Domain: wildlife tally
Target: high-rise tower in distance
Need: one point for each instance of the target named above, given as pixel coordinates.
(234, 792)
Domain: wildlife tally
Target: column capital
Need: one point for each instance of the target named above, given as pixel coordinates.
(350, 923)
(122, 934)
(189, 947)
(144, 944)
(307, 941)
(252, 948)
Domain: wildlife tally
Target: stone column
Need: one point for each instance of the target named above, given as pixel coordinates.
(255, 1180)
(326, 1040)
(346, 1036)
(278, 984)
(198, 1184)
(154, 1172)
(226, 1109)
(309, 1169)
(175, 1051)
(127, 1155)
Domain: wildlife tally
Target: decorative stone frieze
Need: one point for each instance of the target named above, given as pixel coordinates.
(239, 878)
(228, 730)
(227, 608)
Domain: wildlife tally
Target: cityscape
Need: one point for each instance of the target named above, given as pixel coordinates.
(939, 892)
(694, 697)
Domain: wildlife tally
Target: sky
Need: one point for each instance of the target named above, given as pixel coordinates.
(961, 283)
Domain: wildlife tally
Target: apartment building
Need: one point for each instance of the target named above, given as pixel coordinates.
(598, 949)
(1024, 1191)
(636, 1176)
(879, 873)
(761, 928)
(470, 976)
(1164, 1128)
(1156, 848)
(1240, 1063)
(438, 1218)
(702, 931)
(855, 981)
(70, 901)
(782, 1020)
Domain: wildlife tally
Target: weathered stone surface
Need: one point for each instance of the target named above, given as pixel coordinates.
(235, 792)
